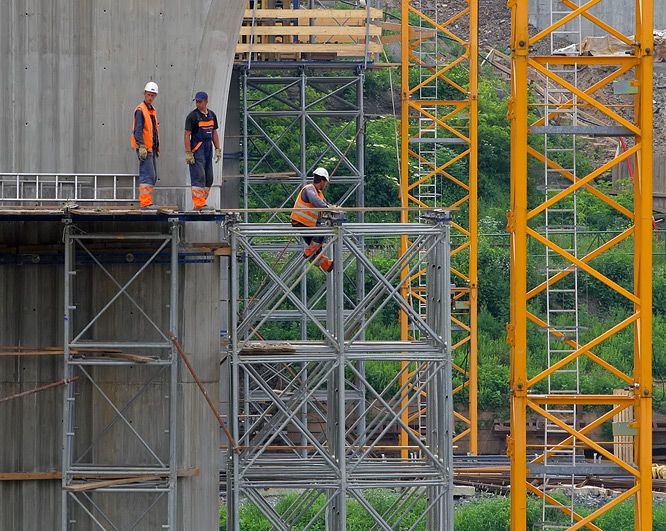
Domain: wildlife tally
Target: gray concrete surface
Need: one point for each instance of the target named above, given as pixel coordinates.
(30, 315)
(71, 74)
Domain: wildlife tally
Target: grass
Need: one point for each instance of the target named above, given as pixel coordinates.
(483, 514)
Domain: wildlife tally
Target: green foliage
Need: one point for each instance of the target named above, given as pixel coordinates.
(494, 147)
(493, 286)
(381, 157)
(483, 514)
(492, 513)
(601, 307)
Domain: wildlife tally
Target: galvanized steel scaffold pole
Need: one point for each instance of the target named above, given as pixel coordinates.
(117, 461)
(438, 168)
(324, 460)
(321, 112)
(625, 111)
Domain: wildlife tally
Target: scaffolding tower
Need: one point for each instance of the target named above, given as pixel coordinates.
(438, 169)
(306, 421)
(98, 475)
(302, 75)
(553, 393)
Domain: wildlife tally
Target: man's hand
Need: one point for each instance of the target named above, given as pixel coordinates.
(143, 152)
(218, 155)
(189, 158)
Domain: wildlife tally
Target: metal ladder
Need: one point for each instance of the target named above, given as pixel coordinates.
(428, 191)
(562, 316)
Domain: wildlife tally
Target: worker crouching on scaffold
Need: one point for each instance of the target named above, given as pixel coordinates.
(312, 196)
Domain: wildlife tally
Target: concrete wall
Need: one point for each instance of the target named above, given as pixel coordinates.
(71, 74)
(618, 13)
(31, 315)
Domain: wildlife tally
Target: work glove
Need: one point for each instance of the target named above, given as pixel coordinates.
(143, 152)
(189, 158)
(218, 154)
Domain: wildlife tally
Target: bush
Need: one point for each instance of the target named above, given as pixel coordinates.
(492, 513)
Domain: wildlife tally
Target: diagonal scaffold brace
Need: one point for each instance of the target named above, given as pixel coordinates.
(209, 401)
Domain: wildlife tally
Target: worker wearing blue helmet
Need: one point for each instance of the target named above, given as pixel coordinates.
(200, 137)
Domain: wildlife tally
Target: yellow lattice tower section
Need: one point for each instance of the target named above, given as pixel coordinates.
(438, 168)
(626, 110)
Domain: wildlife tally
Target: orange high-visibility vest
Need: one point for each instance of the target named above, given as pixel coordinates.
(147, 126)
(301, 212)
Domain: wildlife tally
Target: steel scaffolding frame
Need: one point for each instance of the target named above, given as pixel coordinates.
(144, 469)
(627, 113)
(278, 102)
(438, 165)
(297, 407)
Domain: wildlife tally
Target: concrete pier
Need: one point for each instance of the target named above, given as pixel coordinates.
(31, 282)
(71, 74)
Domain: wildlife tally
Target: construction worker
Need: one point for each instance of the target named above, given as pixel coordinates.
(146, 142)
(312, 196)
(200, 137)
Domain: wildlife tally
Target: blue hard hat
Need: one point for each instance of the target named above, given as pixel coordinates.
(200, 96)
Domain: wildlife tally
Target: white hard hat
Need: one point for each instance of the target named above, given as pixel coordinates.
(322, 172)
(151, 86)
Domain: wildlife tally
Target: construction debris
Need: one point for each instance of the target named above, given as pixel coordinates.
(609, 45)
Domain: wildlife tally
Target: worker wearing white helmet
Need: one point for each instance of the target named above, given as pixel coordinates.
(312, 196)
(146, 141)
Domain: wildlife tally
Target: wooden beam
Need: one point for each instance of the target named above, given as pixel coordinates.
(40, 388)
(29, 476)
(344, 49)
(322, 31)
(93, 485)
(338, 14)
(57, 475)
(222, 251)
(44, 352)
(120, 355)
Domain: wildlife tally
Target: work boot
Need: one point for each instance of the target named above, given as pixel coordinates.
(327, 266)
(150, 207)
(204, 208)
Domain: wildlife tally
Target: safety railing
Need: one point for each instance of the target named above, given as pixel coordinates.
(67, 187)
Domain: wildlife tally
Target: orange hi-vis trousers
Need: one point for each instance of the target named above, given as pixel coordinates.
(145, 195)
(147, 179)
(199, 196)
(312, 250)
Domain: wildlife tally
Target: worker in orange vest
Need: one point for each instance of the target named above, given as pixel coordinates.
(312, 196)
(146, 142)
